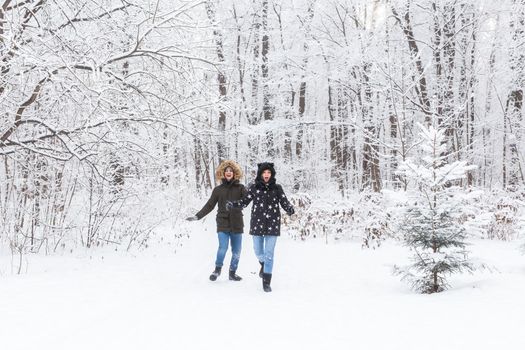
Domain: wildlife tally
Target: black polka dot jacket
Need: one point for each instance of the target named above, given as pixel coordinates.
(266, 215)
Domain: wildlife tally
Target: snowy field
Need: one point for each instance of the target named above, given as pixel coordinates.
(334, 296)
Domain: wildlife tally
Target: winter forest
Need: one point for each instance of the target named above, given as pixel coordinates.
(394, 125)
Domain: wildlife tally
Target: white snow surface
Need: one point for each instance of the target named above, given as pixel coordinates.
(325, 296)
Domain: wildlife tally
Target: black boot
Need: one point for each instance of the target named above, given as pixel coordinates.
(215, 273)
(234, 276)
(261, 270)
(267, 278)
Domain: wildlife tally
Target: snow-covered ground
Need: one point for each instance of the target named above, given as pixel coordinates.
(334, 296)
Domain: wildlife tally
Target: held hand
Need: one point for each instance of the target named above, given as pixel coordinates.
(192, 218)
(229, 205)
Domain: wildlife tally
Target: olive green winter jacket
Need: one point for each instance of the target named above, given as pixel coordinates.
(227, 221)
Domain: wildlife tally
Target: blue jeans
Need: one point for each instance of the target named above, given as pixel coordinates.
(224, 239)
(264, 247)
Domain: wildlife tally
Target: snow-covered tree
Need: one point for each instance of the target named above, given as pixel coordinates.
(372, 220)
(96, 101)
(431, 228)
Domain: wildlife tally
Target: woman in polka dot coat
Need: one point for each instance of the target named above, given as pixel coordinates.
(265, 223)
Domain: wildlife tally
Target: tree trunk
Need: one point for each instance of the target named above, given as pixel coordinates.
(421, 86)
(221, 78)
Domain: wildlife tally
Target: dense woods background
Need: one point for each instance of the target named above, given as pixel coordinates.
(115, 113)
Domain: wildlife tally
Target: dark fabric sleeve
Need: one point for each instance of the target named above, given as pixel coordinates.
(244, 191)
(285, 204)
(246, 198)
(210, 204)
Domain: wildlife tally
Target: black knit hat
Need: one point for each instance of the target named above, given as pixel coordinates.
(265, 166)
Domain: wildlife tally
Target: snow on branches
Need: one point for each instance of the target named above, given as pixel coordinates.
(431, 227)
(318, 220)
(362, 218)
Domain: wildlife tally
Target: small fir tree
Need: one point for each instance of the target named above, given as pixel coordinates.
(430, 227)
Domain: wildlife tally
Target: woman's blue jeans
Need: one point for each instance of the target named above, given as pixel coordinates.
(224, 239)
(264, 247)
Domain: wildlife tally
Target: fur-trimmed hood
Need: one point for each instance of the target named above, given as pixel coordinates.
(237, 172)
